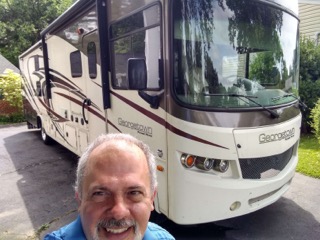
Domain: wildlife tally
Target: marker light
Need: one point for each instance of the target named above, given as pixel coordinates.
(187, 160)
(221, 165)
(204, 163)
(234, 206)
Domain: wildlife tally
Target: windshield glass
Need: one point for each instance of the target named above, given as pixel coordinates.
(226, 51)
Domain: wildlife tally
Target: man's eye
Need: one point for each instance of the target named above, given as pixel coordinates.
(136, 195)
(135, 192)
(98, 193)
(99, 196)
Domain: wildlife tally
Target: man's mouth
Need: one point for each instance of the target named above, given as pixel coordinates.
(117, 230)
(117, 233)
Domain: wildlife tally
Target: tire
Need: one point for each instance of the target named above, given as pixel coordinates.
(45, 138)
(158, 218)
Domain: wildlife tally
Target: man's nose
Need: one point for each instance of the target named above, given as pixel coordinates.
(120, 209)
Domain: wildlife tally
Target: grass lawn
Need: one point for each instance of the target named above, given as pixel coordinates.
(309, 156)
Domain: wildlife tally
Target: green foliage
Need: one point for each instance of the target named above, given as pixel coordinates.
(13, 118)
(309, 156)
(309, 59)
(309, 77)
(10, 88)
(315, 116)
(22, 21)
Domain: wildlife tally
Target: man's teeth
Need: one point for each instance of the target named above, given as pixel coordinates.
(116, 231)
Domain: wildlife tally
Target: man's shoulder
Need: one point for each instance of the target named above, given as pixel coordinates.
(71, 231)
(154, 231)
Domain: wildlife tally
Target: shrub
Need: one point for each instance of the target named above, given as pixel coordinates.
(13, 118)
(10, 88)
(315, 116)
(10, 97)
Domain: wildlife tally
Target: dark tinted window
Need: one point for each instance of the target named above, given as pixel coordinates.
(75, 63)
(92, 60)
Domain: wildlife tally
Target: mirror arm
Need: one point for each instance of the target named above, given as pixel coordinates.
(153, 100)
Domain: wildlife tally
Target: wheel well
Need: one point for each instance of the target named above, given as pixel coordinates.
(39, 122)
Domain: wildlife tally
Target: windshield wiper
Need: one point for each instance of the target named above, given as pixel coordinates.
(273, 113)
(301, 104)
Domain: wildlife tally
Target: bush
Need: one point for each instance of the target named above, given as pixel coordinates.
(10, 97)
(315, 116)
(10, 88)
(13, 118)
(309, 93)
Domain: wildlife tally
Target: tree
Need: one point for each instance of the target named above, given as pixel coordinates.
(254, 33)
(21, 23)
(309, 78)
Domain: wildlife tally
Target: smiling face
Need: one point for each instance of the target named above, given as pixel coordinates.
(116, 193)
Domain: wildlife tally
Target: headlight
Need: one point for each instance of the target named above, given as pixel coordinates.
(204, 163)
(221, 165)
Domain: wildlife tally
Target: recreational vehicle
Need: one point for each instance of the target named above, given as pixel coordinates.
(210, 85)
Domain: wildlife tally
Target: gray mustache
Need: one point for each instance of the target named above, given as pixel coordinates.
(122, 223)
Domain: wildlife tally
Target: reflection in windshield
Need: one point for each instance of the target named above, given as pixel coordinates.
(224, 47)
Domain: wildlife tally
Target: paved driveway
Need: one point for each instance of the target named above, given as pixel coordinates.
(36, 189)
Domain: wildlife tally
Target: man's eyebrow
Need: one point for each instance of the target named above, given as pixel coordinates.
(105, 188)
(99, 187)
(137, 187)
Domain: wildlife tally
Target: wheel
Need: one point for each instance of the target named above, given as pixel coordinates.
(45, 138)
(29, 125)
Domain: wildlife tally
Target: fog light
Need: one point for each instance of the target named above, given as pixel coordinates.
(234, 206)
(221, 165)
(204, 163)
(187, 160)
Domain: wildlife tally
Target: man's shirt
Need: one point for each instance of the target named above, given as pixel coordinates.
(74, 231)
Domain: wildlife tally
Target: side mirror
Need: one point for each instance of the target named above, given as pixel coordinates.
(137, 74)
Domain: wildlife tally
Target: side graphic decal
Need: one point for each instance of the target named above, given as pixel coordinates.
(164, 123)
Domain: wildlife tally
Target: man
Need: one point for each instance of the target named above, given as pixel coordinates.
(115, 188)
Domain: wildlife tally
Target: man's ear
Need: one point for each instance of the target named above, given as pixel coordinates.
(78, 198)
(154, 194)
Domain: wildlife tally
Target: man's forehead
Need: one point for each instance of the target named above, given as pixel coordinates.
(117, 147)
(117, 152)
(113, 160)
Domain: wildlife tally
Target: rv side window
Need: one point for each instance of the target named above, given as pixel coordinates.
(92, 60)
(75, 63)
(74, 31)
(36, 63)
(137, 36)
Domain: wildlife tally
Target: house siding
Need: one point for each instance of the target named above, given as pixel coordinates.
(309, 14)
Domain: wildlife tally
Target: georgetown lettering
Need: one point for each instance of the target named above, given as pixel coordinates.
(136, 126)
(264, 138)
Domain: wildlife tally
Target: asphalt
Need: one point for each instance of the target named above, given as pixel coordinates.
(36, 184)
(37, 197)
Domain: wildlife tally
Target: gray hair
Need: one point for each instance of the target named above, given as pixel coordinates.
(83, 161)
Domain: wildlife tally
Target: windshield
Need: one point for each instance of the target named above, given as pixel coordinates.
(226, 51)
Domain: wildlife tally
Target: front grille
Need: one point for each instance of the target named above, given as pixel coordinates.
(265, 167)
